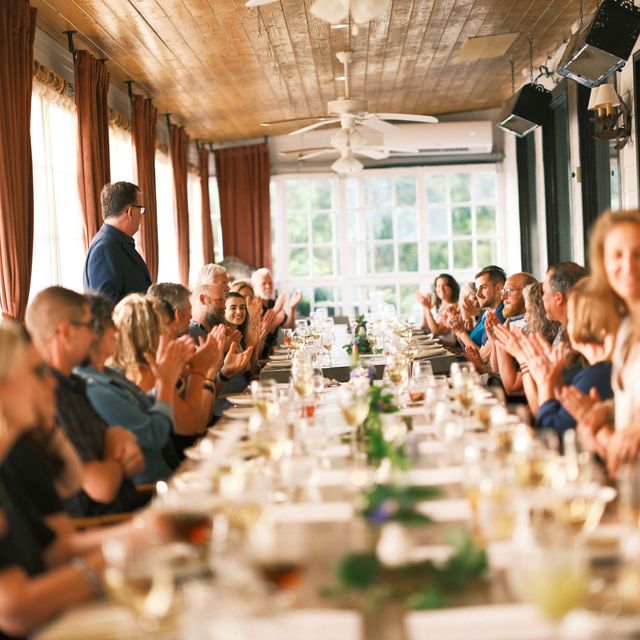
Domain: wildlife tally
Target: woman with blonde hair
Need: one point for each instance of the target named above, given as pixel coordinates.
(614, 254)
(244, 288)
(535, 318)
(591, 330)
(119, 401)
(142, 325)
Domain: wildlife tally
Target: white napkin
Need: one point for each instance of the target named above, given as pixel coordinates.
(425, 477)
(436, 476)
(306, 624)
(431, 446)
(492, 622)
(453, 510)
(312, 512)
(338, 451)
(94, 621)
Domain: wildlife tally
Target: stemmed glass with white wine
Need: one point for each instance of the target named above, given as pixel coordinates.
(328, 340)
(141, 574)
(265, 398)
(302, 377)
(396, 370)
(354, 406)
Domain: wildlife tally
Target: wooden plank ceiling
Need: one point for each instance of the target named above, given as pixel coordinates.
(221, 68)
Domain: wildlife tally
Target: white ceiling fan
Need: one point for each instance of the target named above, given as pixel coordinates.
(335, 11)
(350, 111)
(347, 163)
(348, 142)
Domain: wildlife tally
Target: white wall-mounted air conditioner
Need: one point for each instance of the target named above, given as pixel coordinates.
(445, 138)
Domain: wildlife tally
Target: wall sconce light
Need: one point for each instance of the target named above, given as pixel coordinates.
(609, 108)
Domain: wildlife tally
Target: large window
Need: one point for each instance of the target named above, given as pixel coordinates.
(215, 219)
(121, 155)
(195, 225)
(58, 250)
(382, 235)
(168, 270)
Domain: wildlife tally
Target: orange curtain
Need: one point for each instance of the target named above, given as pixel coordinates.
(17, 31)
(92, 86)
(143, 125)
(207, 230)
(243, 184)
(179, 148)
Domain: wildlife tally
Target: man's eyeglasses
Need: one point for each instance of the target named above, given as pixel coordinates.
(140, 208)
(506, 291)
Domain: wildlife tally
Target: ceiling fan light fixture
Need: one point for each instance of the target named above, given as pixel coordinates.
(340, 139)
(337, 11)
(347, 165)
(332, 11)
(366, 10)
(357, 140)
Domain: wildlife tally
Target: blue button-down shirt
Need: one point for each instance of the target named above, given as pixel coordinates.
(479, 332)
(113, 266)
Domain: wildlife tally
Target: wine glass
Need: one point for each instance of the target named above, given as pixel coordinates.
(141, 573)
(354, 406)
(328, 340)
(287, 335)
(396, 371)
(553, 577)
(302, 373)
(265, 398)
(421, 370)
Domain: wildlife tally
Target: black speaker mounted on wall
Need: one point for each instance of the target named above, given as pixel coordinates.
(526, 110)
(602, 45)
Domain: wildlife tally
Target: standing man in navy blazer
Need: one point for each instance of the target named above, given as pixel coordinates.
(113, 266)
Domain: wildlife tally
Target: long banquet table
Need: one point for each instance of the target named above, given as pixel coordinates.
(340, 364)
(322, 517)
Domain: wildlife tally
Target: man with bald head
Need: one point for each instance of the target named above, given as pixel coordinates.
(513, 297)
(207, 310)
(62, 328)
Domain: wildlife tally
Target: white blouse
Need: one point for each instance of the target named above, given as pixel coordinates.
(445, 338)
(626, 375)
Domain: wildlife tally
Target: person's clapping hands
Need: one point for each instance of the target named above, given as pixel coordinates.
(236, 361)
(545, 362)
(425, 299)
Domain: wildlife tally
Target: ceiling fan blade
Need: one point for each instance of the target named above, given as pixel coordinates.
(315, 125)
(405, 117)
(258, 3)
(374, 154)
(287, 152)
(378, 125)
(274, 123)
(313, 154)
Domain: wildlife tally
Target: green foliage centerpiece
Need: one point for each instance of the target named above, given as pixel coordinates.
(388, 573)
(384, 436)
(359, 341)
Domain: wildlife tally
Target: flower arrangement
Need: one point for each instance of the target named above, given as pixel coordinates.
(384, 503)
(359, 338)
(384, 440)
(418, 585)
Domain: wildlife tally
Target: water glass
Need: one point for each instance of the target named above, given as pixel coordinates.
(421, 370)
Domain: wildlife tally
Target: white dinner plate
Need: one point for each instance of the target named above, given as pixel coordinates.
(279, 356)
(239, 413)
(243, 399)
